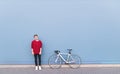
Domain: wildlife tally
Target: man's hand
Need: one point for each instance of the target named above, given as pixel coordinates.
(40, 53)
(33, 53)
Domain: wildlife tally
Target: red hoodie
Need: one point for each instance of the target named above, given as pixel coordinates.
(36, 45)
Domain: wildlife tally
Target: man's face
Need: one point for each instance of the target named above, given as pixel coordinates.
(36, 38)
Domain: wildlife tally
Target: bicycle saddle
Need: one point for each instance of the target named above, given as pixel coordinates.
(57, 51)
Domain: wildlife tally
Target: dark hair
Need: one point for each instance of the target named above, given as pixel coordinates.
(35, 35)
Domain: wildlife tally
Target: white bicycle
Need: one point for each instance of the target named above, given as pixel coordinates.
(55, 60)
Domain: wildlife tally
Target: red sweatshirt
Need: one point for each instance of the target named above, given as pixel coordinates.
(36, 45)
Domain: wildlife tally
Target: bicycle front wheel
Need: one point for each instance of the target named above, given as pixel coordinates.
(74, 61)
(54, 61)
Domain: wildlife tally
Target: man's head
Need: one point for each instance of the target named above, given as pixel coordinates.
(36, 37)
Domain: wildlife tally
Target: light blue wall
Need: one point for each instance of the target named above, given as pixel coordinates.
(90, 27)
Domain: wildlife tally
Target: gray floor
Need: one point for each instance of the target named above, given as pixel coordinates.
(61, 71)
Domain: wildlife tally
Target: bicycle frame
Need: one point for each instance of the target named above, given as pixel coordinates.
(65, 60)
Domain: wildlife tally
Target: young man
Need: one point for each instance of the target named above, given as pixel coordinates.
(36, 46)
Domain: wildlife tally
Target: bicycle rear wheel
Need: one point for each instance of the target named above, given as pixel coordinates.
(54, 61)
(74, 61)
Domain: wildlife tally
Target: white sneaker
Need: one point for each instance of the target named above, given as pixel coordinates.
(40, 68)
(36, 67)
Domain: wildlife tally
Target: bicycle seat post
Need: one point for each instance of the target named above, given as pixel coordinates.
(69, 51)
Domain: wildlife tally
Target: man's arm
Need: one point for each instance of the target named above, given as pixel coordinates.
(40, 47)
(40, 51)
(32, 51)
(32, 47)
